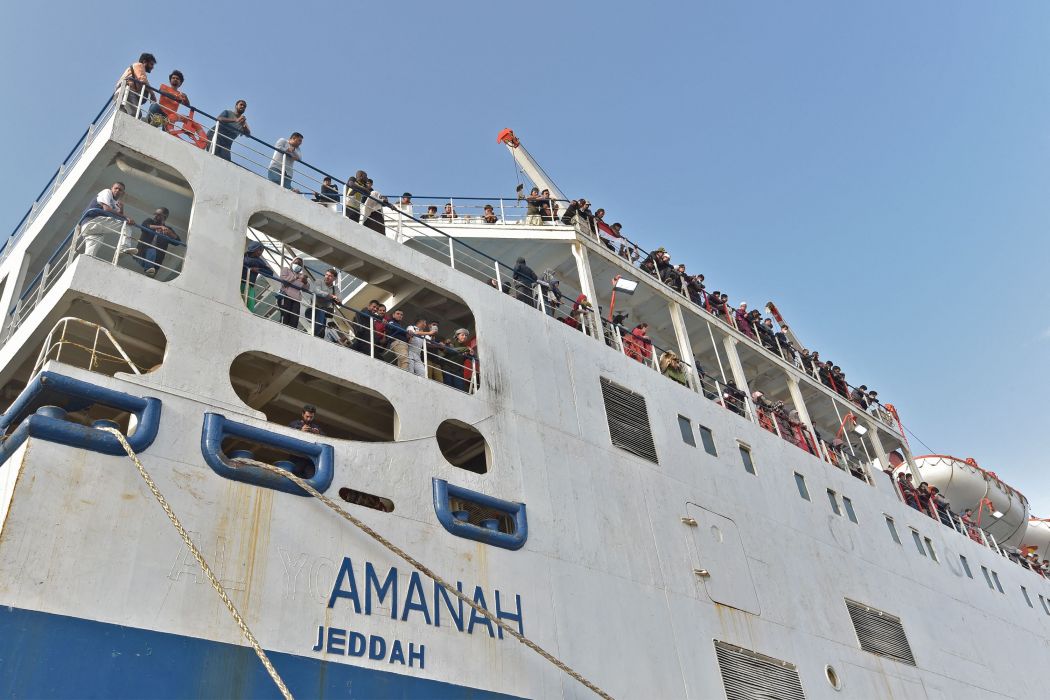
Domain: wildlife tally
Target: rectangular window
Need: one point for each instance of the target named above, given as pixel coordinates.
(745, 455)
(708, 439)
(848, 505)
(834, 503)
(987, 578)
(893, 530)
(686, 427)
(800, 482)
(929, 548)
(1028, 600)
(1042, 601)
(965, 565)
(998, 586)
(918, 541)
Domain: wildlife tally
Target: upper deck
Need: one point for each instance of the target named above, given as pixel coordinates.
(165, 170)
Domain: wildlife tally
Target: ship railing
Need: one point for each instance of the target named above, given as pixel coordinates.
(60, 174)
(949, 519)
(635, 257)
(91, 340)
(456, 211)
(261, 158)
(109, 239)
(355, 329)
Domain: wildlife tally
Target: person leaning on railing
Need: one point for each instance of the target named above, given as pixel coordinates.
(524, 281)
(230, 124)
(294, 281)
(252, 267)
(357, 191)
(364, 327)
(136, 78)
(329, 193)
(326, 296)
(733, 398)
(418, 334)
(466, 347)
(533, 211)
(98, 236)
(154, 237)
(397, 333)
(672, 368)
(285, 154)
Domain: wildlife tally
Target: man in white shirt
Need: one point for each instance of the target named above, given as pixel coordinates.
(285, 153)
(405, 205)
(405, 212)
(417, 338)
(101, 222)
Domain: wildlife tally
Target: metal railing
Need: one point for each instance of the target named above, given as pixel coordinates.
(66, 339)
(107, 238)
(950, 519)
(636, 256)
(308, 311)
(59, 177)
(496, 210)
(416, 231)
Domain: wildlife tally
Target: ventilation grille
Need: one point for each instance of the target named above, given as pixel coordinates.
(628, 421)
(880, 633)
(750, 676)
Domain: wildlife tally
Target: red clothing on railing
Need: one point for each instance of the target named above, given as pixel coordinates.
(637, 345)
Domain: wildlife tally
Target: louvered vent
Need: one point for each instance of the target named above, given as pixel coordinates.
(628, 421)
(880, 633)
(750, 676)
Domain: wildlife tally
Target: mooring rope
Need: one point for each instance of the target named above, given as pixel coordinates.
(204, 565)
(415, 563)
(426, 571)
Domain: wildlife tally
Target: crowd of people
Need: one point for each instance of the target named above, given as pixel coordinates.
(930, 501)
(542, 209)
(414, 345)
(363, 203)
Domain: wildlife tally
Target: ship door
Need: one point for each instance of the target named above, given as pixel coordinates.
(721, 566)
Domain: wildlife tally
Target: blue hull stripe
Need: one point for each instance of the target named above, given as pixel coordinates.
(43, 655)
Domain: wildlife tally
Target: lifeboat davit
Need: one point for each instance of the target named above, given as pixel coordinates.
(1038, 536)
(966, 485)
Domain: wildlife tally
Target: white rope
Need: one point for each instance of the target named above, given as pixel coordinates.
(204, 565)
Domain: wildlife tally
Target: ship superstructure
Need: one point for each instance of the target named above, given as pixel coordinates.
(663, 538)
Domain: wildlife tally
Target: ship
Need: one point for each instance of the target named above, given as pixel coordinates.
(270, 433)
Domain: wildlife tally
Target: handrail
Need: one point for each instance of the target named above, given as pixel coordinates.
(65, 161)
(45, 350)
(382, 204)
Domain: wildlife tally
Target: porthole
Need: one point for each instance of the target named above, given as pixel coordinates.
(833, 677)
(463, 446)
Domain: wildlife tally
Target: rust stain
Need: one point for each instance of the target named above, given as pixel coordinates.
(14, 489)
(260, 507)
(124, 496)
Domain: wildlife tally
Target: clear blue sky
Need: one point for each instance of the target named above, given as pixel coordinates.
(879, 170)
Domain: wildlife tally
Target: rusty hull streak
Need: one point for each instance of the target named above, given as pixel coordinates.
(14, 489)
